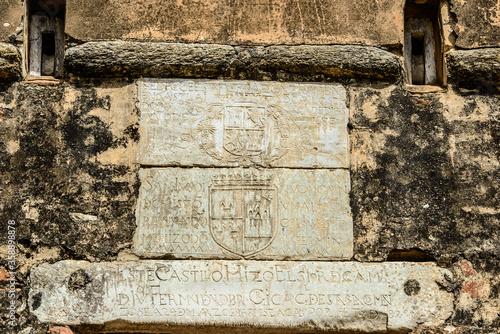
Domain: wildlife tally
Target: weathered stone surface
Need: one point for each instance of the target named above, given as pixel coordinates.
(447, 329)
(424, 167)
(10, 62)
(235, 213)
(242, 123)
(68, 178)
(85, 204)
(295, 295)
(293, 63)
(248, 22)
(334, 61)
(425, 174)
(473, 68)
(116, 59)
(477, 23)
(12, 13)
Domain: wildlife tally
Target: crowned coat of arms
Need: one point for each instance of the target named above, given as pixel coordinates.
(243, 212)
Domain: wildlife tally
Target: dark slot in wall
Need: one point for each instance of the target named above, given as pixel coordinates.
(417, 60)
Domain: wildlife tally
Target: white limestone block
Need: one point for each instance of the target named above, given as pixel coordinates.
(342, 296)
(215, 123)
(234, 213)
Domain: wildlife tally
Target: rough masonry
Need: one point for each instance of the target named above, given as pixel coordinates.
(252, 166)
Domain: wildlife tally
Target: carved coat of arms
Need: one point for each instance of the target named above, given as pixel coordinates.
(243, 213)
(244, 133)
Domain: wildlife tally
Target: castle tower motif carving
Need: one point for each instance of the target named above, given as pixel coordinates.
(243, 213)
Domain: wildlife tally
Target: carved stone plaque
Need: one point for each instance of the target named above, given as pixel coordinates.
(242, 123)
(244, 213)
(345, 296)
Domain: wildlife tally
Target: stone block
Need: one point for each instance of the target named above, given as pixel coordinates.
(257, 22)
(279, 62)
(136, 59)
(244, 213)
(474, 68)
(344, 296)
(242, 123)
(10, 62)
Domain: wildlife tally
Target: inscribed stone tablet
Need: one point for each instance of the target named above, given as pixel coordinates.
(244, 213)
(294, 295)
(242, 123)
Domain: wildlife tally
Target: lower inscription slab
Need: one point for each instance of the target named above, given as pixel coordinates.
(308, 295)
(244, 213)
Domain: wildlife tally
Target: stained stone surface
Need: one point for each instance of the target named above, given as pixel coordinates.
(472, 68)
(277, 62)
(10, 62)
(242, 123)
(313, 295)
(249, 22)
(476, 23)
(244, 213)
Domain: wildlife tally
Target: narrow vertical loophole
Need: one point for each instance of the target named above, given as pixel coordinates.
(418, 59)
(48, 53)
(48, 43)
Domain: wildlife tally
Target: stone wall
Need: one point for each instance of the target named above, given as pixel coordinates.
(424, 168)
(258, 22)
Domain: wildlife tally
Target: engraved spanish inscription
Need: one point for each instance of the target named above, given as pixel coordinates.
(236, 213)
(346, 296)
(242, 123)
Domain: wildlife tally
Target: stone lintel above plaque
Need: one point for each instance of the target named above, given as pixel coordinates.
(235, 213)
(343, 296)
(215, 123)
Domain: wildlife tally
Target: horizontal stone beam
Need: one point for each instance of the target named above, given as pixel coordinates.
(148, 59)
(10, 62)
(466, 68)
(343, 296)
(474, 68)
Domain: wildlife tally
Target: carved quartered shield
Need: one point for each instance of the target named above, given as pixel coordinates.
(243, 132)
(243, 217)
(244, 129)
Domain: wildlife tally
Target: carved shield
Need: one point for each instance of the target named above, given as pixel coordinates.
(245, 129)
(243, 218)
